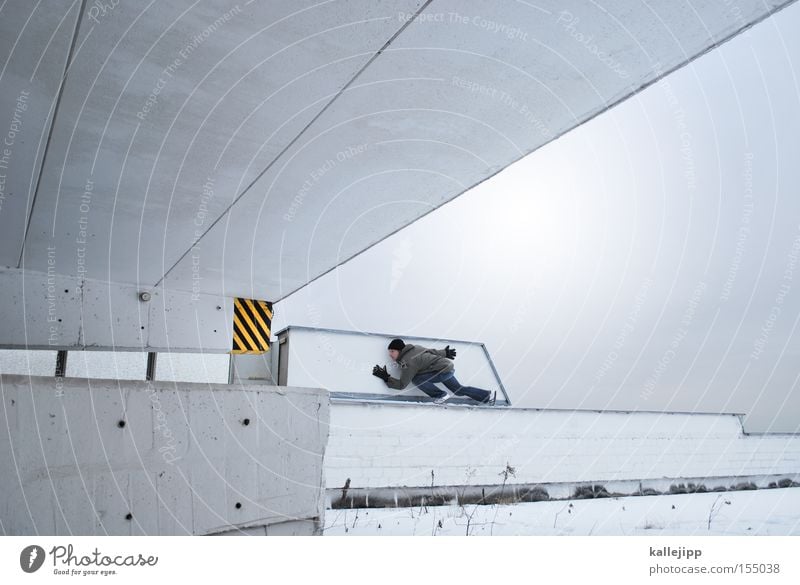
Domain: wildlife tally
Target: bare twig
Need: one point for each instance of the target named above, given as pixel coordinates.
(469, 517)
(505, 473)
(555, 518)
(715, 510)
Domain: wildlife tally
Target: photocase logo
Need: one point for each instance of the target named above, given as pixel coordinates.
(31, 558)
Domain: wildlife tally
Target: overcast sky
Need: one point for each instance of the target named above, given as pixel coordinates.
(649, 259)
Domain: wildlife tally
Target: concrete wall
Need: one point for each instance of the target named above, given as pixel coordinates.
(181, 462)
(386, 445)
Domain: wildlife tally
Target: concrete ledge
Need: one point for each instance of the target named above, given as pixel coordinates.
(290, 528)
(424, 401)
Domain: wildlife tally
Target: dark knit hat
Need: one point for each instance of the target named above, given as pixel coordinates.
(397, 344)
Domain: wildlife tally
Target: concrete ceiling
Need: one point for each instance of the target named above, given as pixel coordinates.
(246, 148)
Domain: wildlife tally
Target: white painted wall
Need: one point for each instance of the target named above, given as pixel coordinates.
(386, 445)
(179, 465)
(342, 361)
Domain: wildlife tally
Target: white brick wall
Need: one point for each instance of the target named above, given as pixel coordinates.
(384, 445)
(179, 465)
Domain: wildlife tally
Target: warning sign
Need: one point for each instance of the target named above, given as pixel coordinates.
(252, 321)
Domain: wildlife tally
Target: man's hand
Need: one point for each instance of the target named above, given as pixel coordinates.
(381, 373)
(450, 352)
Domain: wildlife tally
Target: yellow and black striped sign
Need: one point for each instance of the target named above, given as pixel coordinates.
(252, 321)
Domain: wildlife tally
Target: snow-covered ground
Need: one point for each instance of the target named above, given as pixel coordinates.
(762, 512)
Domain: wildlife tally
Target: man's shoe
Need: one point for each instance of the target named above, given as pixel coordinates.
(442, 399)
(492, 399)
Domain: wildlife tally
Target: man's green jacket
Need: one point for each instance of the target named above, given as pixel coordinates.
(415, 359)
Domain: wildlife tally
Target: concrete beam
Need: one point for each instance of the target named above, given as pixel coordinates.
(51, 311)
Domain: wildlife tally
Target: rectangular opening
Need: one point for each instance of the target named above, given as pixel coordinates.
(213, 368)
(112, 365)
(28, 362)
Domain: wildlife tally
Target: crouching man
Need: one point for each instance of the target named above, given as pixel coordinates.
(424, 368)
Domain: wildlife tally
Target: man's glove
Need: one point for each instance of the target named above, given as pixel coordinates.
(381, 373)
(450, 352)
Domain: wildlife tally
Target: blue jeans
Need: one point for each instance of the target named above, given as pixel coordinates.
(427, 383)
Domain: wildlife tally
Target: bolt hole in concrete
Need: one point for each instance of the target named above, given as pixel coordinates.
(246, 422)
(121, 424)
(128, 516)
(238, 505)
